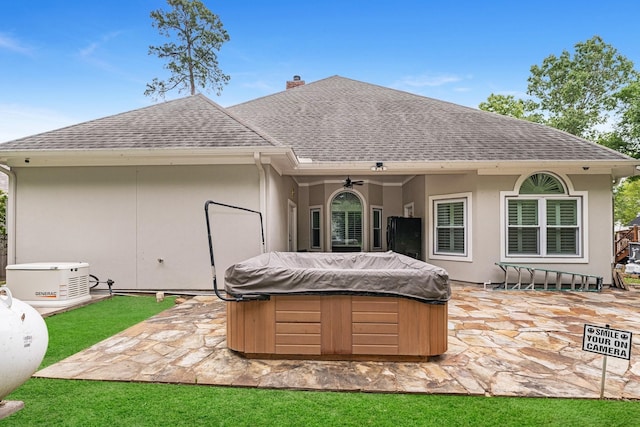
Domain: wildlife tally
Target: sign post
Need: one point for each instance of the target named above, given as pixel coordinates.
(608, 342)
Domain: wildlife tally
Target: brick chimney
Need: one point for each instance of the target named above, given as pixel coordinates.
(295, 82)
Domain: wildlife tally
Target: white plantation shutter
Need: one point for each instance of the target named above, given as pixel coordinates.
(338, 226)
(450, 227)
(315, 229)
(377, 228)
(541, 222)
(354, 227)
(542, 183)
(562, 227)
(346, 220)
(524, 230)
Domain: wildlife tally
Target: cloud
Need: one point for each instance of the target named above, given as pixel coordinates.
(92, 47)
(10, 43)
(88, 51)
(96, 55)
(427, 80)
(260, 85)
(17, 121)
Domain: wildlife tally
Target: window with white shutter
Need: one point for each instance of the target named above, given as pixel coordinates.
(543, 220)
(450, 227)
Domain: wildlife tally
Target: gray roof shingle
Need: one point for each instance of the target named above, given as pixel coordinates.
(339, 119)
(191, 122)
(331, 120)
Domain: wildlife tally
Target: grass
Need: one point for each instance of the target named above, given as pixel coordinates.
(78, 329)
(51, 402)
(631, 279)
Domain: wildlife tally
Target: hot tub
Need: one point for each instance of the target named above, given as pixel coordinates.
(337, 306)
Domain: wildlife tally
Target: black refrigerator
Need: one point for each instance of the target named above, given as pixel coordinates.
(404, 236)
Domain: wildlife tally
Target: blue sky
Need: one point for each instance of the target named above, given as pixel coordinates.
(67, 61)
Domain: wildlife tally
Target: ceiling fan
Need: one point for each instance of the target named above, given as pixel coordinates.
(348, 183)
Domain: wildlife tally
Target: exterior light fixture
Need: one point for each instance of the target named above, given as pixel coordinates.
(379, 167)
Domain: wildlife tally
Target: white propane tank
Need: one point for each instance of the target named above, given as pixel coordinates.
(23, 341)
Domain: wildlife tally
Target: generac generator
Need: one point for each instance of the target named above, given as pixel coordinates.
(53, 284)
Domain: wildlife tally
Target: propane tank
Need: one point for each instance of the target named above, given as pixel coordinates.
(23, 341)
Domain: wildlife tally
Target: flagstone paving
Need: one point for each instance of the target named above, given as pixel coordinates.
(501, 343)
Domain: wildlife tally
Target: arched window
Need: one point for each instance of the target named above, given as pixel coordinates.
(542, 183)
(346, 222)
(543, 220)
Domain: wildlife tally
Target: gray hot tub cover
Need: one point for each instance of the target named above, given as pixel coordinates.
(368, 273)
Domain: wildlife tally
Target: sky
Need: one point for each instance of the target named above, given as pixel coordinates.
(64, 62)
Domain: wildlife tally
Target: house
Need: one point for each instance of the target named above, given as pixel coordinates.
(126, 192)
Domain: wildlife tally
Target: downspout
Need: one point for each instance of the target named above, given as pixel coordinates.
(263, 195)
(10, 215)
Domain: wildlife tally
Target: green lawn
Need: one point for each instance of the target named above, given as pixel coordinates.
(92, 403)
(632, 279)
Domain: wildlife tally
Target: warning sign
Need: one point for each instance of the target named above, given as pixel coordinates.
(607, 341)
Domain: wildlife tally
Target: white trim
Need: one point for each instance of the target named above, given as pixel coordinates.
(365, 218)
(371, 210)
(292, 226)
(10, 215)
(264, 188)
(409, 210)
(311, 210)
(466, 198)
(583, 210)
(324, 181)
(617, 168)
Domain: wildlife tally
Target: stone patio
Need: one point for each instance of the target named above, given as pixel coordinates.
(501, 343)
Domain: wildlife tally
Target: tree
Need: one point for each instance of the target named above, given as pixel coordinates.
(626, 204)
(625, 136)
(508, 105)
(192, 61)
(576, 93)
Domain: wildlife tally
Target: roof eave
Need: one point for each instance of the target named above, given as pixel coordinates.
(284, 156)
(616, 168)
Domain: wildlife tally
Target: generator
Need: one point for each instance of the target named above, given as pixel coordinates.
(50, 284)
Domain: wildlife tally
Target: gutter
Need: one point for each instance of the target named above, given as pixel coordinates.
(10, 215)
(138, 157)
(616, 168)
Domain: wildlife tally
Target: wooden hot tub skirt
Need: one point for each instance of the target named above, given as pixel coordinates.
(337, 327)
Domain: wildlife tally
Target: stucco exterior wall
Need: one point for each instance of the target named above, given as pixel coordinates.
(143, 227)
(413, 192)
(375, 194)
(486, 226)
(600, 230)
(392, 207)
(302, 198)
(281, 190)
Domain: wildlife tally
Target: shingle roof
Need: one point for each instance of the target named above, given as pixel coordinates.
(339, 119)
(331, 120)
(191, 122)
